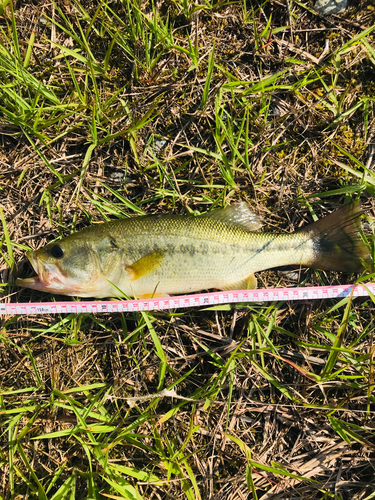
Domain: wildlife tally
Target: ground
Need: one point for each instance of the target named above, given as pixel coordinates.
(118, 108)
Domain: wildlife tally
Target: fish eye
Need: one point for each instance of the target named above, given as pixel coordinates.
(57, 251)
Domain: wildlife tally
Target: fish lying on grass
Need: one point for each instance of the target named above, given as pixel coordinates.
(168, 254)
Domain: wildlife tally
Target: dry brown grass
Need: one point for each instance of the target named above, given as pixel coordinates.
(256, 372)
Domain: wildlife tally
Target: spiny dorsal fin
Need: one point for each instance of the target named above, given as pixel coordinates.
(239, 215)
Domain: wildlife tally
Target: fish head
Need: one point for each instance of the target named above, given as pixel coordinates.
(71, 266)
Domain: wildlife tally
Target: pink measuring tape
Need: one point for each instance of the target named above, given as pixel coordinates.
(194, 300)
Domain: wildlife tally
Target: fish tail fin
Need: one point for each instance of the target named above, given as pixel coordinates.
(338, 245)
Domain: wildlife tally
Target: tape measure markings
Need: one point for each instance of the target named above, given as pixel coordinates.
(187, 301)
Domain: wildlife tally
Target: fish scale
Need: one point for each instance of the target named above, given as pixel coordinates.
(220, 256)
(167, 254)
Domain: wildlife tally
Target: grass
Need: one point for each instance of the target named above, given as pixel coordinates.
(116, 109)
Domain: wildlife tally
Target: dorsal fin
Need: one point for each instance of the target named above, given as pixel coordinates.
(239, 215)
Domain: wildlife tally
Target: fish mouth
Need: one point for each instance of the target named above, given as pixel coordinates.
(40, 281)
(33, 282)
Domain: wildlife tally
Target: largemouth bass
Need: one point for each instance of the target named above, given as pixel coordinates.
(168, 254)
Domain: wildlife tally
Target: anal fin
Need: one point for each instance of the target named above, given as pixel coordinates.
(153, 296)
(249, 283)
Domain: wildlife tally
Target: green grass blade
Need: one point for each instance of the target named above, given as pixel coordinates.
(332, 358)
(207, 85)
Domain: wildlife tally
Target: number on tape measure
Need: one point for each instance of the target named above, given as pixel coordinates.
(195, 300)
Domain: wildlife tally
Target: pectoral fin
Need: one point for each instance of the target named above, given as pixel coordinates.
(146, 265)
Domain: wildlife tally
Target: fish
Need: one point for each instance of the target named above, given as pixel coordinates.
(160, 255)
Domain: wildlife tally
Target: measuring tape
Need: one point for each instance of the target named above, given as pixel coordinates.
(195, 300)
